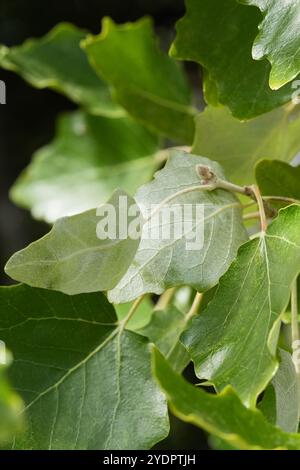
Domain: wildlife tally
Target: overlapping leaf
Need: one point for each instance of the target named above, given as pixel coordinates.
(89, 158)
(56, 61)
(166, 259)
(164, 331)
(234, 340)
(278, 39)
(277, 178)
(147, 83)
(219, 35)
(85, 381)
(72, 259)
(237, 145)
(287, 394)
(223, 415)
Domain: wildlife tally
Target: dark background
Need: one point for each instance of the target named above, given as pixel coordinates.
(27, 120)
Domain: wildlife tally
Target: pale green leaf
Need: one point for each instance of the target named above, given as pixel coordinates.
(287, 394)
(10, 407)
(222, 415)
(278, 39)
(72, 259)
(140, 319)
(89, 158)
(233, 341)
(85, 381)
(147, 83)
(219, 35)
(163, 261)
(237, 145)
(57, 62)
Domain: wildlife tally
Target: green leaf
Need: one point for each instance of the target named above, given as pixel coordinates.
(72, 259)
(86, 382)
(277, 178)
(140, 319)
(219, 35)
(163, 262)
(287, 393)
(57, 62)
(222, 415)
(10, 407)
(147, 83)
(164, 331)
(278, 39)
(233, 341)
(89, 158)
(237, 145)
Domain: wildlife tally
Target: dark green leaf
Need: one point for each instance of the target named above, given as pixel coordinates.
(147, 83)
(277, 178)
(86, 382)
(219, 35)
(56, 61)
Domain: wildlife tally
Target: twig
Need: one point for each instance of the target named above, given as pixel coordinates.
(251, 215)
(165, 299)
(195, 306)
(261, 207)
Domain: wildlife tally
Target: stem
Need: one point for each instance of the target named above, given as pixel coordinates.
(165, 299)
(261, 207)
(251, 215)
(195, 306)
(211, 179)
(131, 312)
(294, 322)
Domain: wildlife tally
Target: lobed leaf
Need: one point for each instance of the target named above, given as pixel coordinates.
(278, 39)
(161, 261)
(219, 34)
(222, 415)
